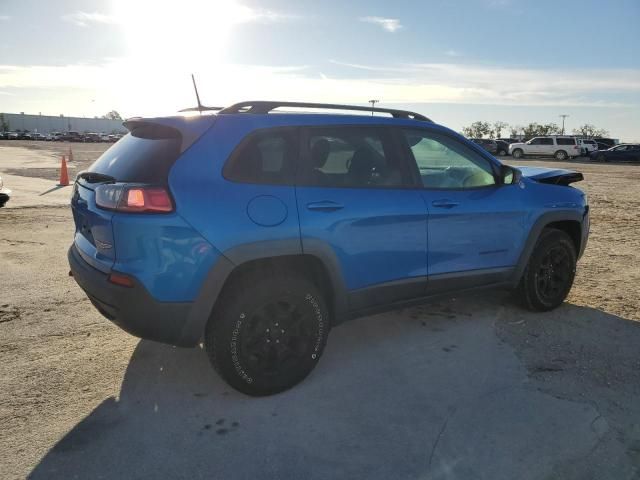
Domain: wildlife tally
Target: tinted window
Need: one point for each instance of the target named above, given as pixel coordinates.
(265, 157)
(535, 141)
(352, 157)
(444, 162)
(145, 155)
(566, 141)
(546, 141)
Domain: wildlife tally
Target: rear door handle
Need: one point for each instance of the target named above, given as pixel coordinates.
(445, 203)
(324, 206)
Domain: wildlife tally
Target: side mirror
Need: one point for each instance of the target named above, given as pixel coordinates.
(509, 175)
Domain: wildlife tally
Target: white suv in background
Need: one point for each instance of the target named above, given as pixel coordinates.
(552, 146)
(587, 146)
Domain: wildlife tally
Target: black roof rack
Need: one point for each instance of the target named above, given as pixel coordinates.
(261, 106)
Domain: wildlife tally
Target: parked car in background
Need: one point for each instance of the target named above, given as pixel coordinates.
(328, 222)
(603, 146)
(71, 137)
(587, 146)
(5, 194)
(91, 137)
(489, 145)
(552, 146)
(4, 135)
(13, 136)
(625, 152)
(37, 136)
(25, 136)
(503, 147)
(612, 142)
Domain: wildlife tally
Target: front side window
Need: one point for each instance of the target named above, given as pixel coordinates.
(265, 157)
(446, 163)
(352, 158)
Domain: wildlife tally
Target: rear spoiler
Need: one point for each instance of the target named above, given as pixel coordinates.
(188, 129)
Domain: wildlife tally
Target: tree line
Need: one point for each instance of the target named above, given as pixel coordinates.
(482, 129)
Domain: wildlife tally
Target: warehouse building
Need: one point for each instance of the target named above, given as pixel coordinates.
(48, 124)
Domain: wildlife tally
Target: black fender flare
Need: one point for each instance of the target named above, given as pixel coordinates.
(534, 233)
(193, 329)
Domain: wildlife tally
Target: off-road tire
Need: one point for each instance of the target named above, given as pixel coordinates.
(531, 291)
(517, 153)
(561, 155)
(246, 334)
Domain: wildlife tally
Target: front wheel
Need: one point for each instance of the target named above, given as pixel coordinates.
(502, 152)
(267, 332)
(517, 153)
(561, 155)
(549, 274)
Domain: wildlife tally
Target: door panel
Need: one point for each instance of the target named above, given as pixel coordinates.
(473, 223)
(352, 193)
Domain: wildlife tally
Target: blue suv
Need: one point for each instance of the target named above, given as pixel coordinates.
(254, 231)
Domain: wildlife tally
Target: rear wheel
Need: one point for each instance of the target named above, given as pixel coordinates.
(561, 155)
(267, 332)
(517, 153)
(502, 152)
(550, 272)
(601, 158)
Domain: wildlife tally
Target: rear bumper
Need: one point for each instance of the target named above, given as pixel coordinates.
(133, 309)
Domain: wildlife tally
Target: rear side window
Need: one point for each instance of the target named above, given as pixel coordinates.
(145, 155)
(353, 157)
(566, 141)
(546, 141)
(265, 157)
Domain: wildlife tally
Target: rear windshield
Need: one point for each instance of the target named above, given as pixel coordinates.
(145, 155)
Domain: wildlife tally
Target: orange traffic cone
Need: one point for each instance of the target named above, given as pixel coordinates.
(64, 175)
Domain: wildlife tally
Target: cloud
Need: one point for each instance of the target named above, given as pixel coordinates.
(83, 19)
(452, 53)
(389, 24)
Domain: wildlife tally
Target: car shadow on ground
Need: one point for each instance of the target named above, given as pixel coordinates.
(428, 392)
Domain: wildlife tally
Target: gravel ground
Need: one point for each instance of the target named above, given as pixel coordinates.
(469, 388)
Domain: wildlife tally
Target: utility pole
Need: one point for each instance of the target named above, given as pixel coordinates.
(563, 116)
(373, 105)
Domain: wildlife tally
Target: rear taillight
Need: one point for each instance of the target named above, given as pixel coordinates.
(134, 198)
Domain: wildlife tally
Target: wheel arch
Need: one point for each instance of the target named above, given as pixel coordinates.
(323, 271)
(569, 221)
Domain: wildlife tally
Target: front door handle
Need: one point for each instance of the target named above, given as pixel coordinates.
(445, 203)
(324, 206)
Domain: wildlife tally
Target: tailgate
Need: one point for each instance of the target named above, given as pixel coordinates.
(94, 234)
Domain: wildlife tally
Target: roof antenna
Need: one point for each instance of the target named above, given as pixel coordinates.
(200, 108)
(193, 79)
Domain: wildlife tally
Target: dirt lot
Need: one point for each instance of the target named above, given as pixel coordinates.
(469, 388)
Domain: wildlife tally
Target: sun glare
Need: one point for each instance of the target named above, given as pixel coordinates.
(186, 35)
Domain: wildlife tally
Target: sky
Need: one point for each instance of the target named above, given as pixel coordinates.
(516, 61)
